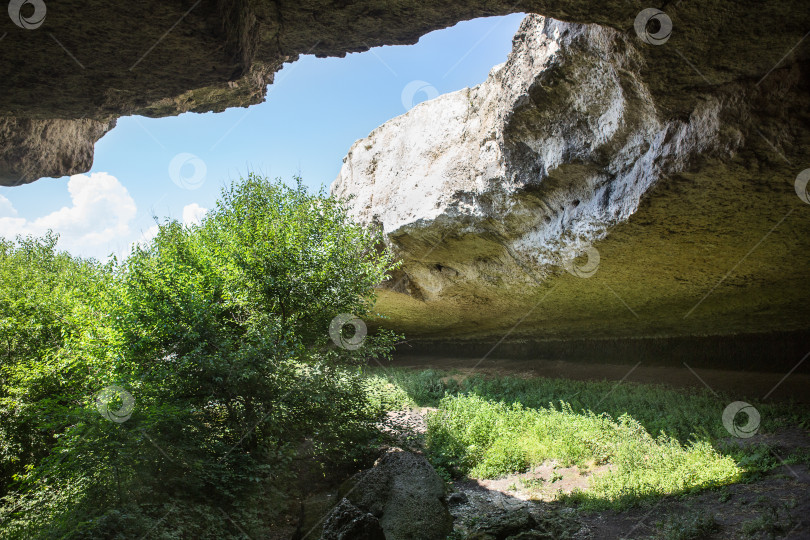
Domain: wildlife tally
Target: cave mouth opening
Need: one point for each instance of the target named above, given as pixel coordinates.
(316, 107)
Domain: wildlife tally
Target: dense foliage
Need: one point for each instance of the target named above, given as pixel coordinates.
(189, 380)
(184, 391)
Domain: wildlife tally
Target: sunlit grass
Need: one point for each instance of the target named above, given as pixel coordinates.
(487, 439)
(656, 440)
(682, 413)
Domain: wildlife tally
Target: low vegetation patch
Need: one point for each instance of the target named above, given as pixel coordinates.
(693, 525)
(650, 440)
(487, 439)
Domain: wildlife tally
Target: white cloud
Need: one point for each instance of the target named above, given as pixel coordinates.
(148, 235)
(193, 214)
(6, 208)
(101, 220)
(100, 217)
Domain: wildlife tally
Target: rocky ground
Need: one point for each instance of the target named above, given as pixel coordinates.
(775, 506)
(523, 506)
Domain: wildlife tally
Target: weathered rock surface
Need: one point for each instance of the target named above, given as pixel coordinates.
(403, 492)
(504, 524)
(490, 513)
(95, 60)
(570, 157)
(35, 148)
(559, 143)
(347, 522)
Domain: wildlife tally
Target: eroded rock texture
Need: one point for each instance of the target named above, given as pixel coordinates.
(96, 60)
(570, 156)
(56, 147)
(401, 496)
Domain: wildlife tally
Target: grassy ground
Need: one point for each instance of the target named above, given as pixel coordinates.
(656, 440)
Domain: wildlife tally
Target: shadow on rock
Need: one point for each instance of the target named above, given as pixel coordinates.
(400, 498)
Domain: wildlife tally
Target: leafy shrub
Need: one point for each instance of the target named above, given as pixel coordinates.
(45, 313)
(220, 332)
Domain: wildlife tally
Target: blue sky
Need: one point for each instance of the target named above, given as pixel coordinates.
(314, 111)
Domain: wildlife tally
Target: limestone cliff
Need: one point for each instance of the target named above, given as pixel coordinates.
(564, 175)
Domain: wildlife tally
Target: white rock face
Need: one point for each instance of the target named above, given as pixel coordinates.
(500, 185)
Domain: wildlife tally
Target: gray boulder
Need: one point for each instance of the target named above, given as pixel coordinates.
(347, 522)
(404, 493)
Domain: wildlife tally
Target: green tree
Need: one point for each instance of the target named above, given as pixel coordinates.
(220, 332)
(46, 307)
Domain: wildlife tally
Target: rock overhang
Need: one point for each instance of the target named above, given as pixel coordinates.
(165, 58)
(563, 200)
